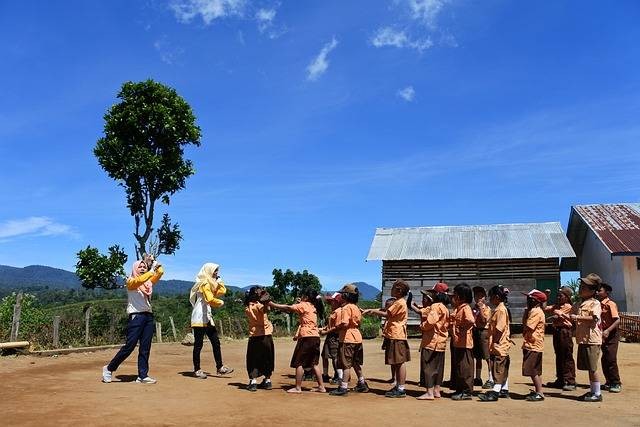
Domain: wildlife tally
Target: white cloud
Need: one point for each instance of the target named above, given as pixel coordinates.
(265, 19)
(408, 93)
(209, 10)
(426, 11)
(320, 63)
(387, 36)
(168, 53)
(35, 225)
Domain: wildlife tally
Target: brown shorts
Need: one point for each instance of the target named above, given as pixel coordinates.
(432, 367)
(588, 357)
(481, 344)
(306, 353)
(531, 363)
(330, 347)
(397, 352)
(500, 368)
(349, 355)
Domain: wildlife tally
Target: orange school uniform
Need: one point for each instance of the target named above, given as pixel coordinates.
(435, 327)
(461, 327)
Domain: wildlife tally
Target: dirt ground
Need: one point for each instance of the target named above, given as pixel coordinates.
(66, 390)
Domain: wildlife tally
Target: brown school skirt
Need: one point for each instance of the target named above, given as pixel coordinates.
(500, 368)
(349, 355)
(531, 363)
(306, 353)
(330, 346)
(396, 352)
(432, 366)
(481, 344)
(260, 356)
(588, 357)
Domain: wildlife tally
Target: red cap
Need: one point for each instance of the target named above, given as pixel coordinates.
(441, 287)
(536, 295)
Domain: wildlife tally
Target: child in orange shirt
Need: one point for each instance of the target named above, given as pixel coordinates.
(610, 339)
(331, 341)
(395, 329)
(462, 322)
(499, 345)
(482, 313)
(388, 303)
(350, 353)
(435, 330)
(587, 317)
(307, 352)
(563, 340)
(533, 342)
(260, 351)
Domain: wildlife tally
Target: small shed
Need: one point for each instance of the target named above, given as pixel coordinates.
(606, 239)
(518, 256)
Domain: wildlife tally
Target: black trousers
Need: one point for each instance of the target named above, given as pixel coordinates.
(609, 358)
(139, 329)
(212, 334)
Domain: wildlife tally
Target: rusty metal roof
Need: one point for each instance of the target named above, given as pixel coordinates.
(616, 225)
(499, 241)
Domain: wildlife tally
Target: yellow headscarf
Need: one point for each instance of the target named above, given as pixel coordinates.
(205, 275)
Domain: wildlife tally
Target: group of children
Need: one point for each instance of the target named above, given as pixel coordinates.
(478, 334)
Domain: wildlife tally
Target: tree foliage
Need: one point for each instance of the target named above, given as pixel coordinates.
(143, 151)
(288, 286)
(101, 271)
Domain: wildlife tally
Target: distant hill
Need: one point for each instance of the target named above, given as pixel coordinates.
(367, 292)
(41, 276)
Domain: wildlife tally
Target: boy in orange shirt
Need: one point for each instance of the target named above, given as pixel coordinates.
(462, 322)
(610, 339)
(260, 351)
(482, 313)
(587, 317)
(435, 330)
(533, 345)
(499, 345)
(563, 340)
(395, 329)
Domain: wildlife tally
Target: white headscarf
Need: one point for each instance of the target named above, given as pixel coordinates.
(205, 275)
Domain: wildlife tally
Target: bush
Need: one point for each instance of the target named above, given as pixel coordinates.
(370, 327)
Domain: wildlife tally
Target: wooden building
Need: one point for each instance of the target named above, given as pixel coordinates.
(519, 256)
(606, 239)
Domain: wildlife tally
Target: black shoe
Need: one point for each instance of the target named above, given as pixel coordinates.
(326, 378)
(554, 384)
(339, 392)
(308, 377)
(335, 380)
(534, 397)
(396, 393)
(504, 394)
(605, 386)
(362, 387)
(488, 385)
(590, 397)
(477, 382)
(264, 385)
(252, 387)
(462, 395)
(490, 396)
(569, 387)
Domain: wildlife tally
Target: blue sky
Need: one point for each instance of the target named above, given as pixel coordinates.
(321, 121)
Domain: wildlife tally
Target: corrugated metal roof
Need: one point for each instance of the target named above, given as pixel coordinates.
(499, 241)
(616, 225)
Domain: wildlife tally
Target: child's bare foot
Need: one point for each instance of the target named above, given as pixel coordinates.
(294, 390)
(319, 390)
(426, 396)
(437, 395)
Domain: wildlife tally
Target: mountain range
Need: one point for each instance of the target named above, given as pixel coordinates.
(41, 276)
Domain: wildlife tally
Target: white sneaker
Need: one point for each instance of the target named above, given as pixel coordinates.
(200, 374)
(106, 374)
(146, 380)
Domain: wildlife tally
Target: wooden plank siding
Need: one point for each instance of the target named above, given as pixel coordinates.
(519, 275)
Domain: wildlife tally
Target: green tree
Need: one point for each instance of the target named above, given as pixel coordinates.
(100, 271)
(288, 286)
(143, 151)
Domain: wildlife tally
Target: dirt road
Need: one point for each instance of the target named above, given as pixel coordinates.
(66, 390)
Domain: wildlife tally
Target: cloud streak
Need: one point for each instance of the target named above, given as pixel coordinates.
(408, 93)
(186, 11)
(34, 226)
(319, 65)
(387, 36)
